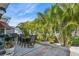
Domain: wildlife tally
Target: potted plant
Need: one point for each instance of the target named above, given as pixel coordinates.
(9, 45)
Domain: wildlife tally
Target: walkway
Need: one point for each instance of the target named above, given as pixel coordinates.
(41, 50)
(74, 51)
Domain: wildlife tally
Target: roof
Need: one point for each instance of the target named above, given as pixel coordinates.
(4, 25)
(18, 30)
(4, 5)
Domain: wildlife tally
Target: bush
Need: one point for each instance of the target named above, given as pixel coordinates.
(8, 41)
(40, 37)
(75, 41)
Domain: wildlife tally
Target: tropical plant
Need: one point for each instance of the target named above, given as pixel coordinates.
(8, 41)
(59, 19)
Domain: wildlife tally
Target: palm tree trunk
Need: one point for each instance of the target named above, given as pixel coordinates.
(76, 31)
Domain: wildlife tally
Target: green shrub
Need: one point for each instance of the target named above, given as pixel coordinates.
(75, 41)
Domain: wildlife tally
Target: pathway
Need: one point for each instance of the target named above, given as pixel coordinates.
(41, 50)
(74, 51)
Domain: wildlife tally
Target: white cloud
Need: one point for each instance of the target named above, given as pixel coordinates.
(28, 9)
(17, 12)
(20, 9)
(31, 8)
(15, 22)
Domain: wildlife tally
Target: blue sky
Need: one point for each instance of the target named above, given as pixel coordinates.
(21, 12)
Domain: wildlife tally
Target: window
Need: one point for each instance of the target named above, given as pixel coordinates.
(1, 31)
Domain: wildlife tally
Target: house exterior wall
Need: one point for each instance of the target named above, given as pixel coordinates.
(7, 31)
(10, 31)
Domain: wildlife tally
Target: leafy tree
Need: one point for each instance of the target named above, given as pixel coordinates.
(59, 19)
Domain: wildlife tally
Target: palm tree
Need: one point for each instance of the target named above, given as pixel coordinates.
(68, 21)
(59, 18)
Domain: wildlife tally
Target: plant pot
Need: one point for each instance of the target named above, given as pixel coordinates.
(9, 51)
(9, 48)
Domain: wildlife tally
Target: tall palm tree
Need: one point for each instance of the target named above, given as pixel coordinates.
(68, 20)
(59, 18)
